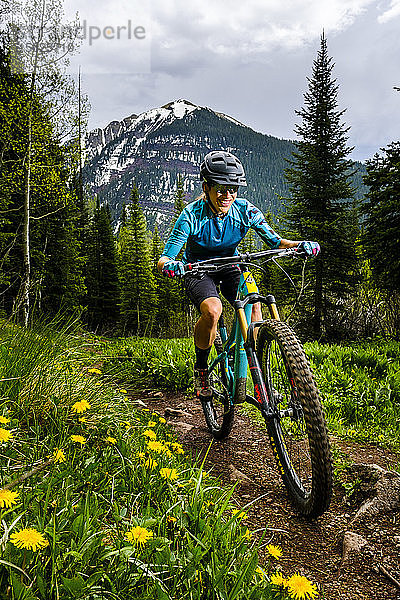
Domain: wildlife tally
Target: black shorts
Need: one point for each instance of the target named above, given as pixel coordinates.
(206, 286)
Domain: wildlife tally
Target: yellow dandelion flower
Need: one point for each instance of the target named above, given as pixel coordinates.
(81, 406)
(171, 474)
(95, 371)
(140, 455)
(4, 420)
(58, 455)
(167, 452)
(162, 420)
(139, 535)
(301, 588)
(239, 514)
(150, 463)
(82, 419)
(151, 424)
(178, 449)
(260, 572)
(5, 435)
(247, 534)
(29, 539)
(171, 520)
(111, 440)
(274, 551)
(278, 579)
(123, 391)
(150, 434)
(8, 498)
(155, 446)
(78, 439)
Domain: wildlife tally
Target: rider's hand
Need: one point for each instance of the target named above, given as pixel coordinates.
(173, 268)
(310, 248)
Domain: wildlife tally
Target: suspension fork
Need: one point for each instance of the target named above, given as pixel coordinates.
(260, 390)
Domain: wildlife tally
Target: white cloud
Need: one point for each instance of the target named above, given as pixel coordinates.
(390, 13)
(254, 26)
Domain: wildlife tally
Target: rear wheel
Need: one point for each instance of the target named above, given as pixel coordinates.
(298, 430)
(219, 410)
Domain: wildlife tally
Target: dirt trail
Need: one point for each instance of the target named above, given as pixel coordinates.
(313, 548)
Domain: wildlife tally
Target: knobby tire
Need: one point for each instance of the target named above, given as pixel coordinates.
(297, 432)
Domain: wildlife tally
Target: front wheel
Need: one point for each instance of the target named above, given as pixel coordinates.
(297, 430)
(219, 410)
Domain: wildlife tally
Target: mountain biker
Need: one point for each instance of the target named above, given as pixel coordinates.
(212, 226)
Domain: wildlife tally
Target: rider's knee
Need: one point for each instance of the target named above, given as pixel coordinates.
(211, 309)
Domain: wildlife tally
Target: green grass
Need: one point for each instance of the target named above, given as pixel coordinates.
(359, 383)
(109, 485)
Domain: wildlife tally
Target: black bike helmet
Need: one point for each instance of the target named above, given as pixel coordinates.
(220, 167)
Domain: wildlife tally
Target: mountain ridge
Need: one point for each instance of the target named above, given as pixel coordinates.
(152, 149)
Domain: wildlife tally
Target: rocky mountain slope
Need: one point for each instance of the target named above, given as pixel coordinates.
(155, 147)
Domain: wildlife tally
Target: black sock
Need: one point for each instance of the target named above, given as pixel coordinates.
(201, 358)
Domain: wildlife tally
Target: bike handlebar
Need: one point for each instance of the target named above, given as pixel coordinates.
(214, 264)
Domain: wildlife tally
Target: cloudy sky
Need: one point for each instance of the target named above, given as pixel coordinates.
(246, 58)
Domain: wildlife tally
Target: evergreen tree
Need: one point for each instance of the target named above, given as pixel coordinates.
(138, 299)
(321, 202)
(102, 273)
(382, 225)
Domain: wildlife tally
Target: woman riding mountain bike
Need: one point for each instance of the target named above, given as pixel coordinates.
(212, 227)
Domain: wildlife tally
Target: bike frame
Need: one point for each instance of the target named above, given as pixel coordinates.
(241, 338)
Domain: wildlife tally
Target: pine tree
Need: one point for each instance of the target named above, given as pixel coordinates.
(321, 202)
(102, 274)
(381, 237)
(138, 299)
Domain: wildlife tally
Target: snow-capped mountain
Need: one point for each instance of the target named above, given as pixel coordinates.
(154, 148)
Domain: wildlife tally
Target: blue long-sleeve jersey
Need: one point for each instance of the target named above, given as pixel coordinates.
(209, 236)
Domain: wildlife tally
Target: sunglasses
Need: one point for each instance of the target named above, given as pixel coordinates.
(222, 189)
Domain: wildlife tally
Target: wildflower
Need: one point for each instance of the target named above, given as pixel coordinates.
(58, 455)
(7, 498)
(301, 588)
(123, 391)
(140, 455)
(239, 514)
(278, 579)
(96, 371)
(260, 572)
(29, 539)
(139, 535)
(162, 420)
(274, 551)
(178, 449)
(78, 439)
(171, 474)
(82, 419)
(155, 446)
(80, 407)
(5, 435)
(4, 420)
(151, 424)
(247, 534)
(150, 463)
(171, 520)
(111, 440)
(150, 434)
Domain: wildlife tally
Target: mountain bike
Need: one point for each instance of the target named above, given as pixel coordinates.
(285, 392)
